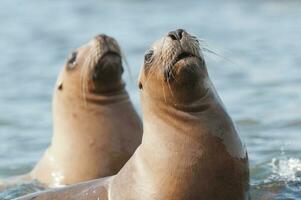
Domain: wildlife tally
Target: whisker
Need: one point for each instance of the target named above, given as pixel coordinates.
(174, 77)
(156, 64)
(206, 48)
(151, 71)
(168, 83)
(82, 81)
(213, 52)
(89, 62)
(162, 83)
(161, 57)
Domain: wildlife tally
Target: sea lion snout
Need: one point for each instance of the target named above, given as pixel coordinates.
(104, 44)
(184, 55)
(177, 34)
(107, 56)
(101, 37)
(108, 68)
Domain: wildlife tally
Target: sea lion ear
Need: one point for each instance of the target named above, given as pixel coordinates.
(60, 86)
(140, 85)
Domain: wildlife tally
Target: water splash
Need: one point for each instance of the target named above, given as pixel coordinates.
(58, 178)
(285, 169)
(282, 179)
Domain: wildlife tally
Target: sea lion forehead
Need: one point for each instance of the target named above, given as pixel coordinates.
(90, 53)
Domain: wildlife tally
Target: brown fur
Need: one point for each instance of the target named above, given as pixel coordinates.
(95, 127)
(190, 149)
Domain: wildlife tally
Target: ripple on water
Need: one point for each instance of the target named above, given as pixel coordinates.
(287, 170)
(21, 190)
(280, 179)
(257, 74)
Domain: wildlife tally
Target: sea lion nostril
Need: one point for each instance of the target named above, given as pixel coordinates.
(176, 35)
(180, 33)
(172, 35)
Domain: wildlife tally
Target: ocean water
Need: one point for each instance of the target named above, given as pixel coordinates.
(257, 72)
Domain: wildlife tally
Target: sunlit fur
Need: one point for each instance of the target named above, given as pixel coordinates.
(190, 148)
(95, 126)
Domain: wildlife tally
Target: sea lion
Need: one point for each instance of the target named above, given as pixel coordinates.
(95, 126)
(190, 148)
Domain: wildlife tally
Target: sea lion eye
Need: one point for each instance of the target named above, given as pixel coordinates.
(148, 56)
(72, 60)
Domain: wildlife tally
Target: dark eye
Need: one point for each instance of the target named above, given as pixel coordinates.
(148, 56)
(140, 86)
(72, 60)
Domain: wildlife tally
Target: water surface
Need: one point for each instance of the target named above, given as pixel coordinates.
(258, 76)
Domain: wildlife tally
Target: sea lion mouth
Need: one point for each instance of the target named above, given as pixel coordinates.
(108, 57)
(183, 56)
(182, 62)
(110, 53)
(109, 65)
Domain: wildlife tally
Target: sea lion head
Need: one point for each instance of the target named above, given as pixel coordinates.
(95, 67)
(174, 69)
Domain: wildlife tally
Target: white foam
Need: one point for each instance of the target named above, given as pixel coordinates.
(58, 178)
(286, 169)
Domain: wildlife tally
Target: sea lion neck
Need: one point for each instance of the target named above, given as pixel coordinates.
(117, 94)
(184, 122)
(77, 94)
(190, 105)
(175, 118)
(71, 106)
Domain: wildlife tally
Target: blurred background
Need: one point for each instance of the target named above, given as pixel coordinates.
(257, 72)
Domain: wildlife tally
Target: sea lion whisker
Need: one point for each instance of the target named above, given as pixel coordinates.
(150, 73)
(153, 68)
(82, 83)
(162, 83)
(172, 94)
(85, 74)
(161, 57)
(214, 52)
(172, 73)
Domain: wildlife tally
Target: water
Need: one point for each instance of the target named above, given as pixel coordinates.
(260, 85)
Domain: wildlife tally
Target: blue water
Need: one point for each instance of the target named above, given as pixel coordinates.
(258, 75)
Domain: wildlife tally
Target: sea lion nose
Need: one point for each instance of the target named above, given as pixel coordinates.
(176, 35)
(101, 37)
